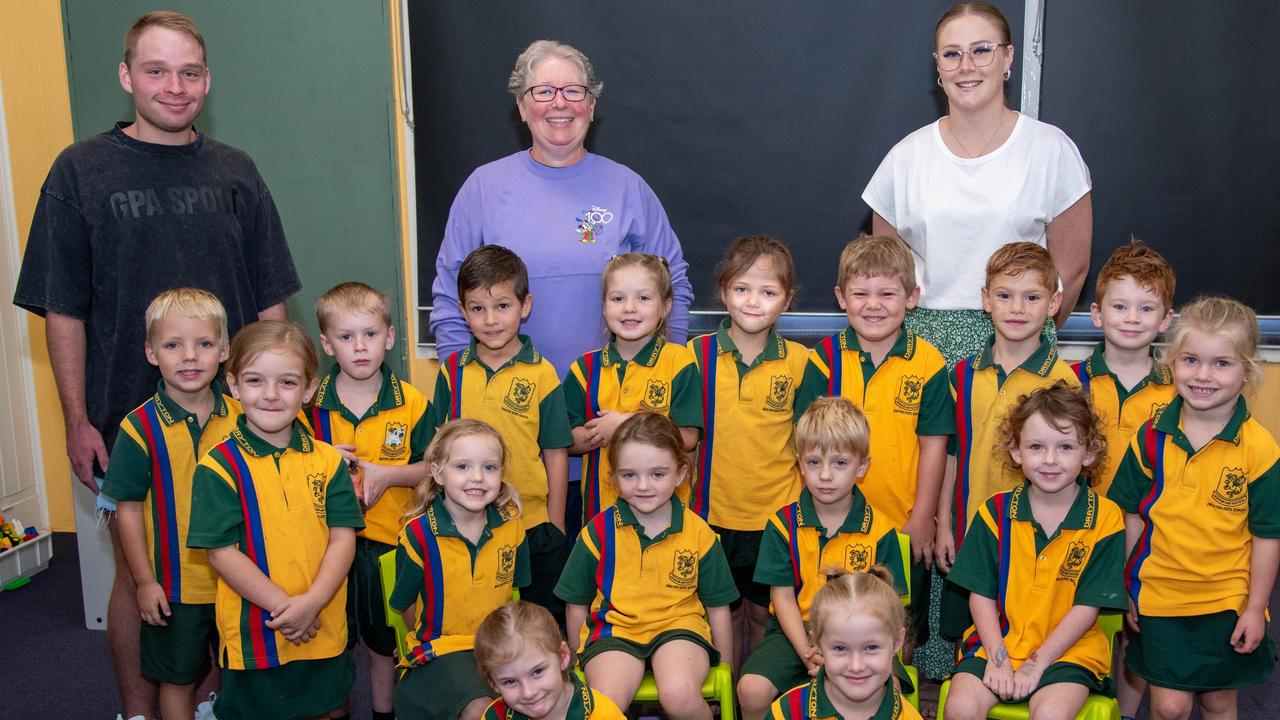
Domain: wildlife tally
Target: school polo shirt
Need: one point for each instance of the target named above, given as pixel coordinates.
(1199, 511)
(1035, 580)
(661, 378)
(394, 430)
(811, 702)
(276, 506)
(795, 550)
(455, 583)
(522, 400)
(586, 704)
(746, 464)
(981, 396)
(1122, 411)
(636, 587)
(903, 398)
(154, 457)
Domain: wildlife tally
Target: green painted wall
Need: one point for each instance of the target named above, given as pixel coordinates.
(306, 89)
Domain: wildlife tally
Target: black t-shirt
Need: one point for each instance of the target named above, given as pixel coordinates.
(119, 221)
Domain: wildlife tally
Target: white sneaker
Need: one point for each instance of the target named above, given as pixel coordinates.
(204, 711)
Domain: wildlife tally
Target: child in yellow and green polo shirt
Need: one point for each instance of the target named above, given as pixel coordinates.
(1200, 486)
(746, 464)
(1040, 561)
(459, 558)
(278, 515)
(502, 379)
(380, 424)
(154, 457)
(831, 527)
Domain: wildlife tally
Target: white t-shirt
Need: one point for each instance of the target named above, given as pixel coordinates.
(954, 212)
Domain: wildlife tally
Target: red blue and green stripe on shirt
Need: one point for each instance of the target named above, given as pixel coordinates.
(1153, 442)
(604, 524)
(593, 364)
(261, 652)
(431, 617)
(964, 448)
(164, 510)
(700, 498)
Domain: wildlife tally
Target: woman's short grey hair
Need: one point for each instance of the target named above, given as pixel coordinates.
(540, 50)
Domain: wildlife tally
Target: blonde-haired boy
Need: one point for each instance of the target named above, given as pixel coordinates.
(152, 463)
(380, 424)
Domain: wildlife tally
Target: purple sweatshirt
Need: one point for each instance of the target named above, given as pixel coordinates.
(565, 223)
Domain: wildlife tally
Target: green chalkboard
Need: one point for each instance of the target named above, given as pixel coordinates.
(306, 89)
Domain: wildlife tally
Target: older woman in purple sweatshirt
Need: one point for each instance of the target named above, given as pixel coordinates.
(564, 210)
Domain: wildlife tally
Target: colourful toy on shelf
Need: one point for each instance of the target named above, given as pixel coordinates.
(10, 533)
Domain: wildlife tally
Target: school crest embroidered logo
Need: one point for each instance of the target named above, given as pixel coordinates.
(519, 396)
(779, 399)
(506, 566)
(1073, 562)
(316, 483)
(1157, 408)
(858, 557)
(684, 569)
(1233, 489)
(393, 444)
(910, 387)
(656, 396)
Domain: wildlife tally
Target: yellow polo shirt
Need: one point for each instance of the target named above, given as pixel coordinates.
(154, 457)
(395, 430)
(1200, 510)
(795, 550)
(275, 505)
(746, 463)
(523, 401)
(635, 587)
(661, 378)
(1035, 580)
(981, 396)
(455, 583)
(904, 397)
(1122, 411)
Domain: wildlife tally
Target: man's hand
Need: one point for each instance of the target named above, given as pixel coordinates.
(84, 445)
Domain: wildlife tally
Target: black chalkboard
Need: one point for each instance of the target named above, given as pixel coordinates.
(753, 116)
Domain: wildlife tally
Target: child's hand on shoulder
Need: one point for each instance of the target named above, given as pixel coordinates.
(152, 604)
(922, 530)
(600, 430)
(812, 660)
(944, 547)
(295, 618)
(1250, 628)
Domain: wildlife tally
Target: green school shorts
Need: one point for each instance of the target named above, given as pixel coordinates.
(296, 690)
(1194, 653)
(1059, 672)
(366, 618)
(181, 652)
(644, 651)
(440, 689)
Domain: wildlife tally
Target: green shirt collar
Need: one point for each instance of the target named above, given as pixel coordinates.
(820, 703)
(527, 353)
(857, 521)
(1041, 361)
(648, 355)
(390, 395)
(904, 346)
(775, 348)
(171, 412)
(1169, 421)
(1082, 515)
(299, 439)
(442, 523)
(628, 517)
(1096, 366)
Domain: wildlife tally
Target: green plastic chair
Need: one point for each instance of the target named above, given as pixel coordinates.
(1096, 707)
(387, 570)
(904, 545)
